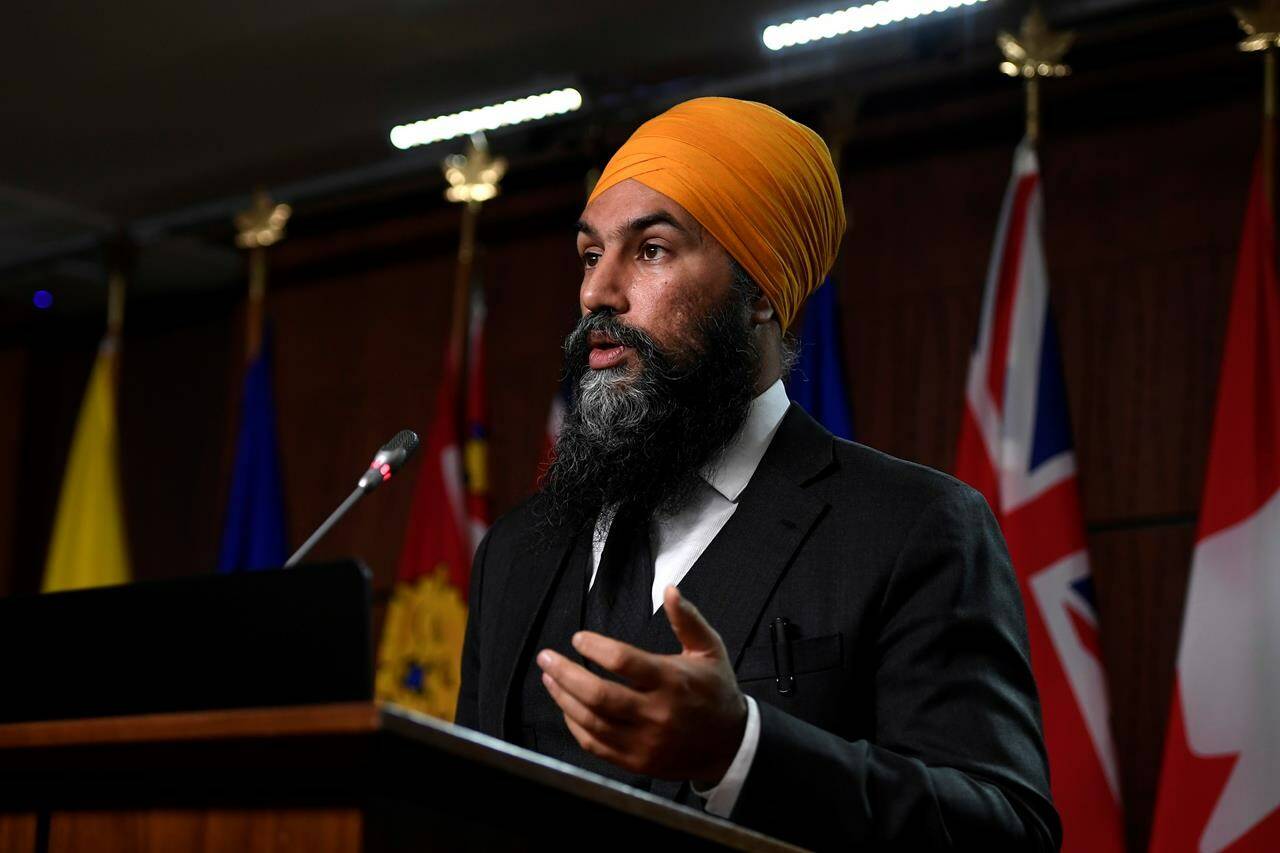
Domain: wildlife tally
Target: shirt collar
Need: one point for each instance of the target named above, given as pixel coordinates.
(731, 473)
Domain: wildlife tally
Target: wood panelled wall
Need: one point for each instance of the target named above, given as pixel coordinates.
(1143, 219)
(1143, 223)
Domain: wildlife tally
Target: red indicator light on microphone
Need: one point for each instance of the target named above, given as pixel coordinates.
(386, 471)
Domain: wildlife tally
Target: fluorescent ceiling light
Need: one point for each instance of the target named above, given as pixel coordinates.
(854, 19)
(507, 113)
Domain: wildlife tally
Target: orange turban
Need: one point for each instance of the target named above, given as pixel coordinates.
(760, 183)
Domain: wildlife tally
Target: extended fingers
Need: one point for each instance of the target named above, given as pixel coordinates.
(600, 728)
(598, 747)
(641, 668)
(606, 698)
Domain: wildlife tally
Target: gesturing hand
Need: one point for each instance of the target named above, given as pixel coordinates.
(679, 717)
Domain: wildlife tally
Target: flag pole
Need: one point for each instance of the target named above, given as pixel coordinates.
(1032, 87)
(1035, 52)
(838, 125)
(259, 226)
(473, 179)
(116, 280)
(119, 257)
(119, 262)
(1269, 126)
(257, 296)
(1261, 26)
(462, 279)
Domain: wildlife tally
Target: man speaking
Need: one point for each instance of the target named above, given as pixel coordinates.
(714, 599)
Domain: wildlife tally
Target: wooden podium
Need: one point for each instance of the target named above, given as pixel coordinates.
(321, 779)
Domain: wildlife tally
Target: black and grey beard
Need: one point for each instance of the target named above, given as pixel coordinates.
(640, 439)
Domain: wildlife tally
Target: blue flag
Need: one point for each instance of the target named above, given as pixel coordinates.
(253, 536)
(818, 383)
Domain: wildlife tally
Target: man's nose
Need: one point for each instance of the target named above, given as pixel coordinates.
(605, 286)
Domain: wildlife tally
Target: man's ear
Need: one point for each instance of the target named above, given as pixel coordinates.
(761, 309)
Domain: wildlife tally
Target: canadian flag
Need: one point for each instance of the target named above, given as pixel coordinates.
(1220, 781)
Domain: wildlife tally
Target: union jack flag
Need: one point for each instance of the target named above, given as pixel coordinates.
(1015, 447)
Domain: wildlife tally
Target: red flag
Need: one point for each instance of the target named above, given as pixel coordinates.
(1220, 780)
(1015, 447)
(476, 460)
(419, 659)
(555, 420)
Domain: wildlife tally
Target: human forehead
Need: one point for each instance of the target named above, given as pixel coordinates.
(628, 204)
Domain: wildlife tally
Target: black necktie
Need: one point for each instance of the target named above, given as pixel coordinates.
(620, 601)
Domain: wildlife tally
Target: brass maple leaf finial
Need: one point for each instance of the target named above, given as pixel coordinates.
(1261, 25)
(473, 176)
(1035, 51)
(262, 224)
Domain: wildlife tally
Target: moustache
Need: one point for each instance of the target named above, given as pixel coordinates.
(578, 344)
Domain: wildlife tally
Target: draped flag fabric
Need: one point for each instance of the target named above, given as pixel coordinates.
(253, 534)
(89, 546)
(419, 660)
(555, 420)
(818, 383)
(1220, 780)
(1015, 447)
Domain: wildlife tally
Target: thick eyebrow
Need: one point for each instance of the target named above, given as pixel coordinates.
(660, 217)
(638, 224)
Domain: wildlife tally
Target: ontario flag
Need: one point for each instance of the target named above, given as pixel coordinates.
(1015, 447)
(419, 659)
(1220, 780)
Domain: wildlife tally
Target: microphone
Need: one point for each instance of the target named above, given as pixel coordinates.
(388, 459)
(386, 462)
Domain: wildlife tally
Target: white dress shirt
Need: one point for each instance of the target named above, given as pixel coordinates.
(679, 541)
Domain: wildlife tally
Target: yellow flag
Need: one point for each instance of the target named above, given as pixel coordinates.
(88, 547)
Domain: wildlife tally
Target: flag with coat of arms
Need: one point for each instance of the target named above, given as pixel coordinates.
(419, 658)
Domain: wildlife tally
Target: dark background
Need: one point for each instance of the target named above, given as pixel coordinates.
(1147, 154)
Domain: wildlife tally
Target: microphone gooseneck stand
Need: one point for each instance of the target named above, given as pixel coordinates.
(325, 528)
(389, 458)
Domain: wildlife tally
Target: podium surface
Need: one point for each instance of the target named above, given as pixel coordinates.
(341, 777)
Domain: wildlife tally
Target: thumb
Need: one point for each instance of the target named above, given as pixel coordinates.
(690, 628)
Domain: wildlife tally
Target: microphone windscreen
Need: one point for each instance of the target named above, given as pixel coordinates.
(405, 440)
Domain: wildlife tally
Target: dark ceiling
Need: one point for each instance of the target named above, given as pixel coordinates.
(158, 116)
(127, 109)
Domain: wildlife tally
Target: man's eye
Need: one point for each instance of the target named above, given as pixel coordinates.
(590, 259)
(650, 252)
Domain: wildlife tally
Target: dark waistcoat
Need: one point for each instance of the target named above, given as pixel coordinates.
(537, 723)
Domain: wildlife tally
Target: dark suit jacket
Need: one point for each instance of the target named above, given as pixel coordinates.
(913, 723)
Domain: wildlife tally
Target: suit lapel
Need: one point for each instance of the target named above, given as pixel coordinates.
(523, 600)
(734, 578)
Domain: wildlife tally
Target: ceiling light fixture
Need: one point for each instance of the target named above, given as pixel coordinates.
(532, 108)
(854, 19)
